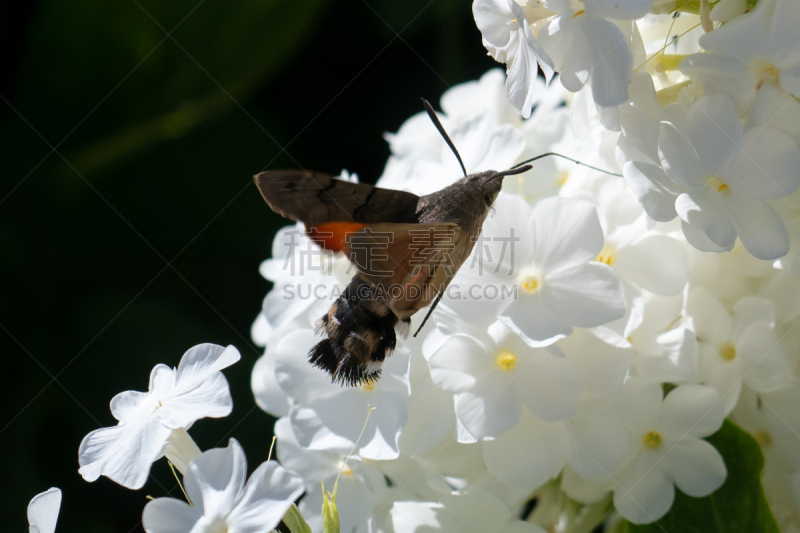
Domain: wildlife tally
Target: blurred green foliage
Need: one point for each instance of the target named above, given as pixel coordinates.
(140, 235)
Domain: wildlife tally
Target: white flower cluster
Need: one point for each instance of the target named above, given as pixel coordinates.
(154, 424)
(603, 326)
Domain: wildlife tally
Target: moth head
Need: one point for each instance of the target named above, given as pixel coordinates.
(492, 181)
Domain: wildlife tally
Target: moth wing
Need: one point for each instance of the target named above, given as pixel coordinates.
(315, 198)
(410, 263)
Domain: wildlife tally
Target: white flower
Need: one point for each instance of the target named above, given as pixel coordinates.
(465, 101)
(559, 285)
(508, 37)
(220, 501)
(753, 52)
(664, 344)
(360, 487)
(641, 257)
(495, 375)
(473, 510)
(728, 174)
(539, 266)
(588, 48)
(667, 446)
(592, 442)
(268, 394)
(43, 511)
(740, 346)
(344, 409)
(637, 149)
(772, 418)
(431, 414)
(153, 424)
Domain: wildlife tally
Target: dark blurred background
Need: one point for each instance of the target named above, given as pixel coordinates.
(129, 225)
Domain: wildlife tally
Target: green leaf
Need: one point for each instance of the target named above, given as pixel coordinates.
(295, 521)
(737, 506)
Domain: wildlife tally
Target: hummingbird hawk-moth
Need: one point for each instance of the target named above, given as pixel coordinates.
(429, 238)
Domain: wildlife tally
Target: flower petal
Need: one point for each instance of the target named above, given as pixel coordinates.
(495, 22)
(548, 386)
(216, 478)
(656, 263)
(743, 36)
(268, 394)
(528, 455)
(639, 405)
(619, 9)
(611, 59)
(597, 441)
(586, 296)
(759, 227)
(698, 238)
(715, 131)
(523, 70)
(695, 466)
(123, 453)
(712, 321)
(567, 233)
(645, 493)
(269, 493)
(691, 410)
(656, 192)
(678, 158)
(762, 364)
(490, 408)
(168, 515)
(531, 317)
(459, 364)
(203, 360)
(43, 511)
(706, 210)
(210, 398)
(767, 165)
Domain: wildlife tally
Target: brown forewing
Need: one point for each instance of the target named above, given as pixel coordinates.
(315, 198)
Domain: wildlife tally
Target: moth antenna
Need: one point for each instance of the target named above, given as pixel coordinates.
(568, 159)
(430, 312)
(438, 124)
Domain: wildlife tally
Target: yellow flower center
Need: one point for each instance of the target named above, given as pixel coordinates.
(530, 279)
(347, 471)
(530, 284)
(716, 184)
(767, 73)
(506, 361)
(370, 386)
(652, 440)
(607, 255)
(579, 13)
(727, 351)
(763, 438)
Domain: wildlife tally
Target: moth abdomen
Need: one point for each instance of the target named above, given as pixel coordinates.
(360, 330)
